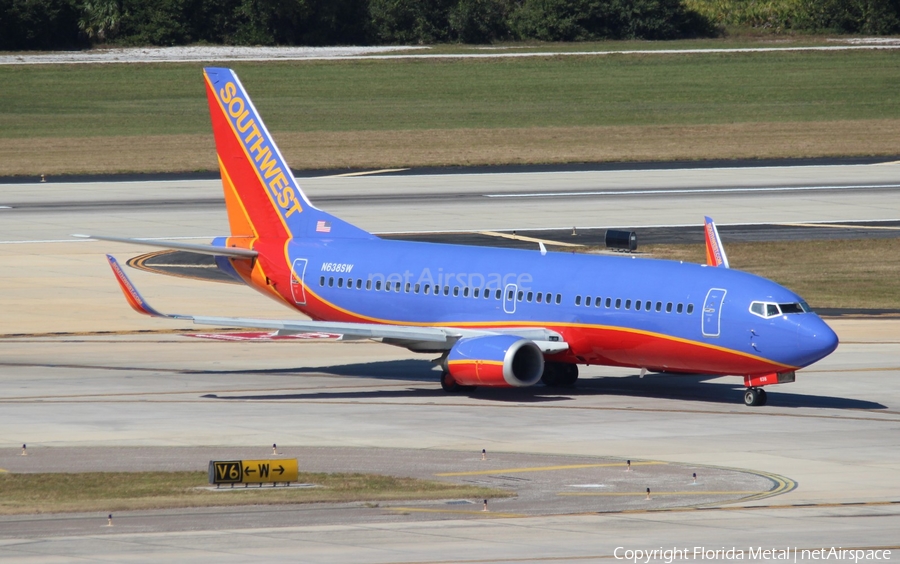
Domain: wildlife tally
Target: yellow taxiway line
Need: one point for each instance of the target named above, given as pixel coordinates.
(456, 511)
(625, 494)
(529, 239)
(542, 469)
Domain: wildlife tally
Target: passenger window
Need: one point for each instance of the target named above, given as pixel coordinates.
(587, 301)
(618, 303)
(558, 299)
(577, 300)
(455, 291)
(446, 290)
(637, 305)
(597, 301)
(771, 310)
(669, 307)
(426, 289)
(627, 304)
(407, 287)
(359, 283)
(529, 296)
(690, 309)
(521, 295)
(331, 281)
(648, 305)
(378, 285)
(369, 284)
(476, 292)
(340, 282)
(416, 289)
(321, 280)
(500, 293)
(509, 295)
(538, 297)
(658, 306)
(679, 308)
(466, 292)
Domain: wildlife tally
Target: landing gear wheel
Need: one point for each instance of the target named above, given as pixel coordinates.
(559, 374)
(755, 397)
(449, 384)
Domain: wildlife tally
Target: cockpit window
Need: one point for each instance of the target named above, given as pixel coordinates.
(767, 310)
(791, 308)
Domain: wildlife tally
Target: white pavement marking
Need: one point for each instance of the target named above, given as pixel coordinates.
(264, 54)
(196, 53)
(364, 173)
(691, 191)
(89, 240)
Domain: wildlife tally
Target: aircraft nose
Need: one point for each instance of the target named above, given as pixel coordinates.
(816, 340)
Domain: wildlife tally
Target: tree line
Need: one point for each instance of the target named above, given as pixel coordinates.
(72, 24)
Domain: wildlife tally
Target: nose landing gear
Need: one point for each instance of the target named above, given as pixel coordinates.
(755, 396)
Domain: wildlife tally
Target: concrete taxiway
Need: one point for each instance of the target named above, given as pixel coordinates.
(83, 394)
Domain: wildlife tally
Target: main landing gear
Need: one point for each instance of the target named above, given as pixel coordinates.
(450, 386)
(755, 396)
(559, 374)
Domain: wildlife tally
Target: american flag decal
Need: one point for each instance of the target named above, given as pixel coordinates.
(323, 226)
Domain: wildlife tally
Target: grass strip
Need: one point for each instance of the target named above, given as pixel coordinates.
(462, 147)
(121, 491)
(846, 273)
(384, 113)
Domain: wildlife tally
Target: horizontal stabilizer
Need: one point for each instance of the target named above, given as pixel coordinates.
(234, 252)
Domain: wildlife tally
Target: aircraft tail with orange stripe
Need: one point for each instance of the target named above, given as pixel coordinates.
(262, 196)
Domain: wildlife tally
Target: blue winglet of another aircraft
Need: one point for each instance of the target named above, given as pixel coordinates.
(134, 298)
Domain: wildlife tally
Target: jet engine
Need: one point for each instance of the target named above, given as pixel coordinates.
(496, 361)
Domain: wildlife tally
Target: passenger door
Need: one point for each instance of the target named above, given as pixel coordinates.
(712, 312)
(298, 286)
(509, 298)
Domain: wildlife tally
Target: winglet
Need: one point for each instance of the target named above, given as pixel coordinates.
(133, 297)
(715, 252)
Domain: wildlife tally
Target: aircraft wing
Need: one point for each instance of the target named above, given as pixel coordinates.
(443, 337)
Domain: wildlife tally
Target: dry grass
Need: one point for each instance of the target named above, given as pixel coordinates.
(441, 147)
(856, 273)
(120, 491)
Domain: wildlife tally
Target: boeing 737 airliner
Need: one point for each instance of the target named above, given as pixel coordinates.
(497, 317)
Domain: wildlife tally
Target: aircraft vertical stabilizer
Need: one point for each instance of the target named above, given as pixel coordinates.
(262, 197)
(715, 252)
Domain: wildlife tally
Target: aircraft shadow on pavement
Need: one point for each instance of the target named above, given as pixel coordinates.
(412, 370)
(692, 387)
(697, 387)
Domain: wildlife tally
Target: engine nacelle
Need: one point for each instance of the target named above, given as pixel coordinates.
(495, 361)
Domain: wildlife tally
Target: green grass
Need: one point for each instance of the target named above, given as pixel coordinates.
(114, 100)
(119, 491)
